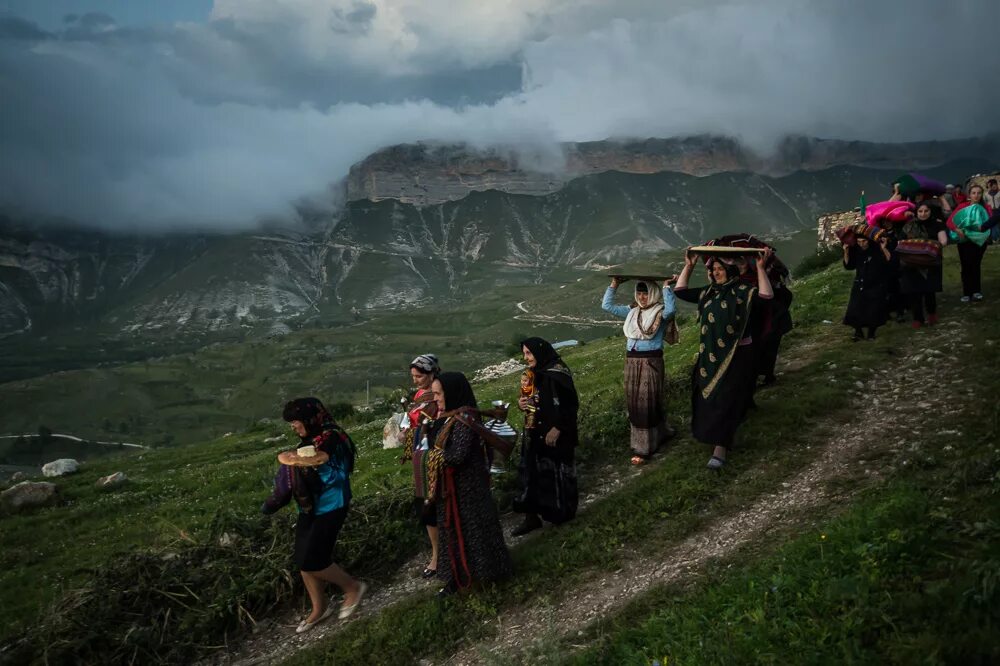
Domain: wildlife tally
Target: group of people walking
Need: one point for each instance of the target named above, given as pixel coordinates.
(741, 315)
(898, 262)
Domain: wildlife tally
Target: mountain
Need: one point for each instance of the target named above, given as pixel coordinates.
(427, 174)
(374, 255)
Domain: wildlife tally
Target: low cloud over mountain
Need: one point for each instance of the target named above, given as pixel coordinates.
(218, 124)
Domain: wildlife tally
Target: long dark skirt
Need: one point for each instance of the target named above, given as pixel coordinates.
(548, 480)
(867, 307)
(471, 542)
(644, 378)
(714, 420)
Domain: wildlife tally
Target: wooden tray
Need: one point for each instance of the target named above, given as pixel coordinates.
(725, 249)
(645, 278)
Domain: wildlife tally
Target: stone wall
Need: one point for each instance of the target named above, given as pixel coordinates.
(827, 224)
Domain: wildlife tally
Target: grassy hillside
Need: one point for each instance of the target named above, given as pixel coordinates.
(181, 500)
(182, 397)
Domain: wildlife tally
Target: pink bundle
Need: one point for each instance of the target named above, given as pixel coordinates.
(891, 212)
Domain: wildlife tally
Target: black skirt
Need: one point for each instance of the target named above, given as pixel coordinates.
(714, 419)
(426, 512)
(315, 537)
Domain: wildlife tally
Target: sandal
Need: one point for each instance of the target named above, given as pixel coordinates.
(716, 463)
(428, 573)
(638, 460)
(348, 611)
(305, 626)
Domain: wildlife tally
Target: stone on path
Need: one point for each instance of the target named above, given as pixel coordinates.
(28, 494)
(60, 467)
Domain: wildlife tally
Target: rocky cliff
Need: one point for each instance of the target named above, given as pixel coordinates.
(426, 174)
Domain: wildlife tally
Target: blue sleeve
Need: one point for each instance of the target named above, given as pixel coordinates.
(608, 305)
(282, 494)
(669, 304)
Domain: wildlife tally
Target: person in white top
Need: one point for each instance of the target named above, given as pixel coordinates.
(992, 195)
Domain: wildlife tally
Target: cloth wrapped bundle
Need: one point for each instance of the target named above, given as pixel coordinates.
(892, 212)
(775, 268)
(919, 253)
(969, 220)
(849, 235)
(912, 183)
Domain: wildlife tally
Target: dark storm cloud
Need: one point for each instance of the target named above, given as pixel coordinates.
(220, 123)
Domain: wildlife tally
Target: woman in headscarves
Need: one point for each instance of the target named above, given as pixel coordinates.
(317, 476)
(872, 266)
(720, 386)
(920, 284)
(471, 545)
(647, 320)
(965, 226)
(421, 413)
(548, 466)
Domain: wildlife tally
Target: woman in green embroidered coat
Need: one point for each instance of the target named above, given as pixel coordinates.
(720, 389)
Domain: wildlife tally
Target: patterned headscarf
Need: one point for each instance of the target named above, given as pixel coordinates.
(311, 412)
(427, 364)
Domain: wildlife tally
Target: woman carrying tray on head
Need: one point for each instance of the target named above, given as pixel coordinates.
(648, 320)
(317, 477)
(547, 468)
(422, 411)
(720, 385)
(920, 284)
(471, 539)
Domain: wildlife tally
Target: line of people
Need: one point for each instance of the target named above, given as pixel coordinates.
(898, 261)
(450, 449)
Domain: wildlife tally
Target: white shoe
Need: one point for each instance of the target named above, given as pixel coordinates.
(977, 296)
(305, 626)
(965, 299)
(347, 611)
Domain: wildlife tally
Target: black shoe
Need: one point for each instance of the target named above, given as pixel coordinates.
(530, 524)
(428, 573)
(447, 591)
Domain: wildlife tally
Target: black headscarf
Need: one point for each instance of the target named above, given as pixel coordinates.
(311, 412)
(545, 355)
(457, 391)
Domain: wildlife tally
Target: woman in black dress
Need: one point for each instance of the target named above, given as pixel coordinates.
(471, 544)
(548, 467)
(872, 268)
(920, 284)
(721, 386)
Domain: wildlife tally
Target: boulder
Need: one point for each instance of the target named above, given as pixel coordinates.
(112, 480)
(29, 494)
(60, 467)
(17, 477)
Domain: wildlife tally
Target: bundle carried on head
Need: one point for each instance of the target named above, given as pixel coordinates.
(849, 234)
(911, 184)
(889, 212)
(775, 268)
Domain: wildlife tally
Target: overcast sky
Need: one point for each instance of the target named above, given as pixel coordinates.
(150, 115)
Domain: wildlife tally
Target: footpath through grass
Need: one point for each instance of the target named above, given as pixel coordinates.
(908, 574)
(672, 499)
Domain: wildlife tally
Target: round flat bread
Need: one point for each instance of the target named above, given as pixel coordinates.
(293, 459)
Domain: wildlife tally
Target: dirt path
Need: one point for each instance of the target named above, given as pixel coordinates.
(275, 639)
(881, 399)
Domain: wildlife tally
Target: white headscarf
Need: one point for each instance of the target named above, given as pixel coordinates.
(642, 323)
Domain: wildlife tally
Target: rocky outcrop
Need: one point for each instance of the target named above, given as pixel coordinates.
(29, 494)
(828, 224)
(425, 174)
